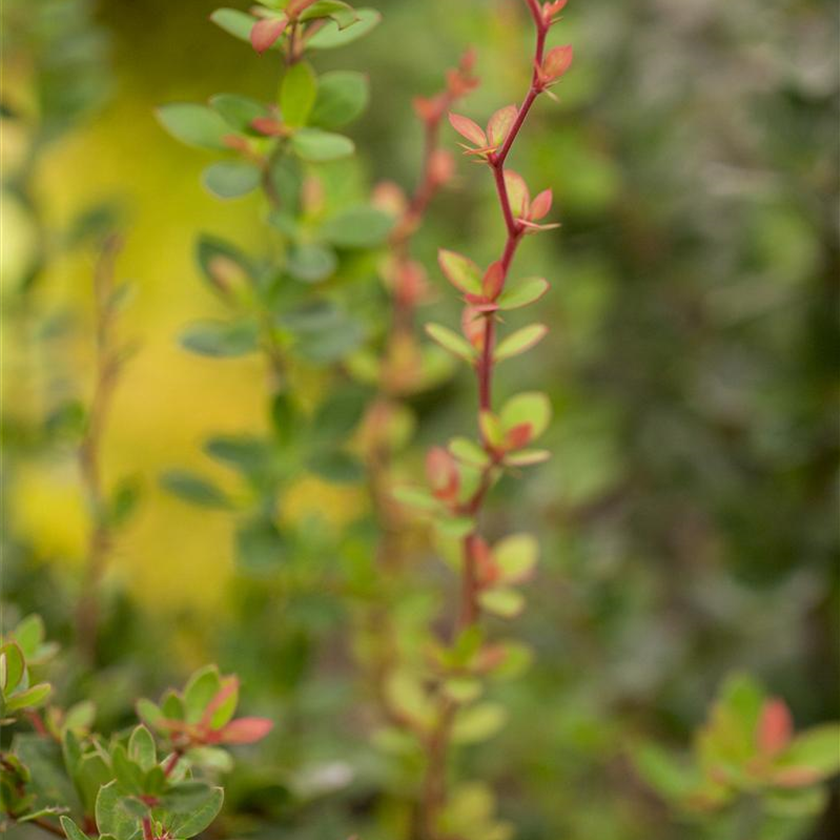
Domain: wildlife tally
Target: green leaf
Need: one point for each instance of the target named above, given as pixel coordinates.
(527, 457)
(520, 341)
(317, 146)
(664, 773)
(532, 408)
(343, 14)
(311, 262)
(29, 699)
(30, 635)
(247, 454)
(455, 527)
(71, 830)
(469, 452)
(231, 178)
(340, 413)
(112, 817)
(149, 712)
(260, 547)
(522, 293)
(817, 749)
(342, 96)
(44, 760)
(202, 687)
(184, 827)
(416, 497)
(220, 261)
(516, 556)
(12, 667)
(141, 748)
(461, 272)
(452, 342)
(297, 94)
(188, 796)
(478, 723)
(506, 603)
(221, 340)
(129, 775)
(331, 36)
(91, 773)
(194, 489)
(336, 466)
(195, 125)
(358, 227)
(238, 111)
(235, 23)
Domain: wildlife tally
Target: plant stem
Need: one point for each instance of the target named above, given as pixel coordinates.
(437, 748)
(89, 453)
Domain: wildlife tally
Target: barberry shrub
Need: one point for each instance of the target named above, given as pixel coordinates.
(749, 771)
(156, 780)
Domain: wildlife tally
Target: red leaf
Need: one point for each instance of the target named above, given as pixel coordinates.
(468, 129)
(245, 730)
(265, 32)
(775, 726)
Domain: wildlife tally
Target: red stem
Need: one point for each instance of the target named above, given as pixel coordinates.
(434, 789)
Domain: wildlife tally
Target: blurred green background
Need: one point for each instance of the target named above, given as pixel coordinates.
(688, 518)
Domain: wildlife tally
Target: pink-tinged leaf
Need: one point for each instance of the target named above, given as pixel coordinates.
(442, 472)
(520, 341)
(493, 280)
(775, 726)
(517, 191)
(468, 129)
(246, 730)
(268, 126)
(264, 33)
(500, 123)
(541, 205)
(557, 62)
(460, 271)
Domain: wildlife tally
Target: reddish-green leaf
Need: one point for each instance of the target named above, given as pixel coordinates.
(522, 293)
(468, 129)
(520, 341)
(461, 272)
